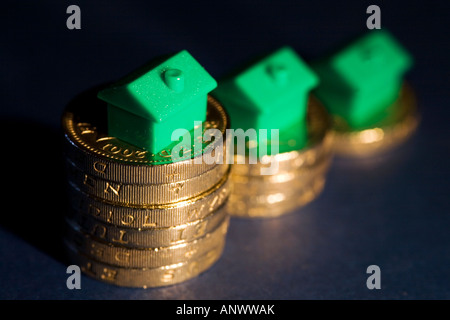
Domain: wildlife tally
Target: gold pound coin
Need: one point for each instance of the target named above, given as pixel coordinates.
(146, 277)
(150, 237)
(116, 254)
(113, 170)
(279, 183)
(144, 194)
(276, 204)
(401, 123)
(152, 216)
(99, 155)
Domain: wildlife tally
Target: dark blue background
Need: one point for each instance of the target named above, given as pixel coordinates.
(391, 210)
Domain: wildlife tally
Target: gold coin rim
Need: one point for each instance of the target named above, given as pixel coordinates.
(145, 277)
(68, 123)
(151, 237)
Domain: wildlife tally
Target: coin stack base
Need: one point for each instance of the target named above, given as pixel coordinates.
(134, 223)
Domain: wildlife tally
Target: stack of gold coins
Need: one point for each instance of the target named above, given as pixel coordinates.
(137, 219)
(363, 89)
(400, 123)
(300, 177)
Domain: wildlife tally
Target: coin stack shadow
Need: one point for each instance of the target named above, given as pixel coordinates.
(139, 225)
(300, 177)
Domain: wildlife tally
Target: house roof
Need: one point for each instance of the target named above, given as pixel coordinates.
(370, 61)
(159, 91)
(266, 83)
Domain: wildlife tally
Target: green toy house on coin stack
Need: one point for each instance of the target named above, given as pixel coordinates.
(145, 107)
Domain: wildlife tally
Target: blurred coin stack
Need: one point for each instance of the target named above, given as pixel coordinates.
(387, 133)
(299, 179)
(362, 88)
(138, 219)
(274, 94)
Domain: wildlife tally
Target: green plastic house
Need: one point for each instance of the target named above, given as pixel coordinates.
(361, 81)
(270, 94)
(145, 107)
